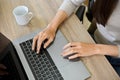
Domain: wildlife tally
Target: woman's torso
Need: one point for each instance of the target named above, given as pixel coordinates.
(110, 34)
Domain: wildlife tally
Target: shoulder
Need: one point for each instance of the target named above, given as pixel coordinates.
(75, 2)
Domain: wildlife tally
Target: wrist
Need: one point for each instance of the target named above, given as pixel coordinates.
(118, 46)
(52, 27)
(110, 50)
(97, 49)
(101, 49)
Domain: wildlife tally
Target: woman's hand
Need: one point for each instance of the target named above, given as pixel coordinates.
(78, 49)
(2, 70)
(47, 34)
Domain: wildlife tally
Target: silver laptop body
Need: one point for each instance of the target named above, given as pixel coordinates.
(69, 70)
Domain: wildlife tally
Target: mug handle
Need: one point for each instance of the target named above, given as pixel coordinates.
(30, 15)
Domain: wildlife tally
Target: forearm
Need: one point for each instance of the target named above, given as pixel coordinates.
(65, 10)
(118, 50)
(110, 50)
(58, 19)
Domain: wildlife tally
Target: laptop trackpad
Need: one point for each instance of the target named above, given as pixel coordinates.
(75, 71)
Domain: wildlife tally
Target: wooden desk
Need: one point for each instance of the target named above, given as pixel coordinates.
(43, 11)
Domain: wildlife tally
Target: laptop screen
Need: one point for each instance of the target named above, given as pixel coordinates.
(10, 59)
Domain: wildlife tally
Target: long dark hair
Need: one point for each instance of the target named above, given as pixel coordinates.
(102, 9)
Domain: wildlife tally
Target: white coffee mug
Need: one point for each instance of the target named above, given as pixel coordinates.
(22, 15)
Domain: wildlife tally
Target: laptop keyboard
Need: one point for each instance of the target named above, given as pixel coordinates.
(41, 65)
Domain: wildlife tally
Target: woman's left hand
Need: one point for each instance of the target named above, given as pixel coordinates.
(79, 49)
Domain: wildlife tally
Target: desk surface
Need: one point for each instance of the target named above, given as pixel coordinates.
(43, 11)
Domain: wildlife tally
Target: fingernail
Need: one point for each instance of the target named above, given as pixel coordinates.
(69, 57)
(32, 48)
(37, 52)
(44, 46)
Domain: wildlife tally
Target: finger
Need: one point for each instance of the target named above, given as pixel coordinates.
(48, 42)
(67, 46)
(69, 51)
(34, 42)
(39, 42)
(74, 56)
(71, 44)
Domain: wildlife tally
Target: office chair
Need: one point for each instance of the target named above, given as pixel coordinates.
(89, 15)
(89, 11)
(80, 12)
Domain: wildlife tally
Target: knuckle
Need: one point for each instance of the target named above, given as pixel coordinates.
(35, 37)
(51, 39)
(78, 54)
(41, 32)
(70, 43)
(38, 47)
(71, 50)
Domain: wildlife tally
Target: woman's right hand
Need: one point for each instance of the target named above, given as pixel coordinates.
(47, 34)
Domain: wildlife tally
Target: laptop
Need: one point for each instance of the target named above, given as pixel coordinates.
(49, 64)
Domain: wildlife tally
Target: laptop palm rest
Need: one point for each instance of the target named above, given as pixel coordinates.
(70, 70)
